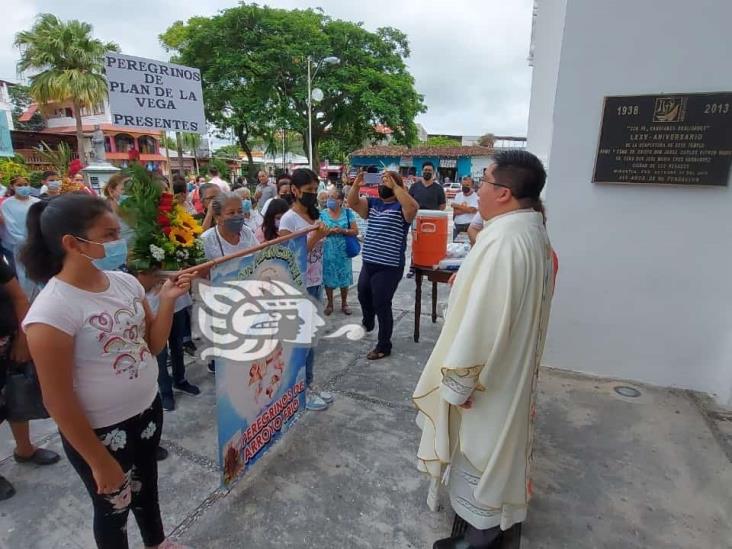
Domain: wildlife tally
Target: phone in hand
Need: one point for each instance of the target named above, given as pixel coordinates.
(372, 179)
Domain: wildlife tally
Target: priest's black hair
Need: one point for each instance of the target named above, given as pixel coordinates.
(524, 174)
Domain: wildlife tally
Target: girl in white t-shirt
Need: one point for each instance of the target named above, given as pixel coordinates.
(303, 213)
(94, 339)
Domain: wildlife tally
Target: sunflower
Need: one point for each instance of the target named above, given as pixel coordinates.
(189, 222)
(182, 237)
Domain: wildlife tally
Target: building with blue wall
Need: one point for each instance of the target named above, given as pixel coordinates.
(452, 162)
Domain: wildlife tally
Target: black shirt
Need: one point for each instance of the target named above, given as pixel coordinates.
(428, 198)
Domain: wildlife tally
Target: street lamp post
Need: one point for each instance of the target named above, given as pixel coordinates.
(311, 76)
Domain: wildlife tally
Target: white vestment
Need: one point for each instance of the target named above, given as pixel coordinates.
(489, 350)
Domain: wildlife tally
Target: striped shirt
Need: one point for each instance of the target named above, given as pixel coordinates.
(386, 235)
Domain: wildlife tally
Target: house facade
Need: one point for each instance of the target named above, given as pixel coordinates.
(122, 144)
(452, 162)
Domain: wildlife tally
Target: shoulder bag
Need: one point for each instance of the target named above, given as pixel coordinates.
(353, 246)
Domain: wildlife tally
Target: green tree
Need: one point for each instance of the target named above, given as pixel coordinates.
(227, 151)
(69, 64)
(254, 65)
(220, 165)
(21, 99)
(441, 141)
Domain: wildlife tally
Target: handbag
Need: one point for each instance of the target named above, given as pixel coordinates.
(353, 246)
(23, 398)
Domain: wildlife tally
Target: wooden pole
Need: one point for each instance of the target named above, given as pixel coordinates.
(210, 264)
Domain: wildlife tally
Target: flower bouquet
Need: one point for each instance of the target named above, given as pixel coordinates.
(165, 233)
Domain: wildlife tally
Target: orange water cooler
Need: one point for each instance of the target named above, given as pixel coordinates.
(429, 237)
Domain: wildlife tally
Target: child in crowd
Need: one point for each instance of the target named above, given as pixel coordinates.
(174, 349)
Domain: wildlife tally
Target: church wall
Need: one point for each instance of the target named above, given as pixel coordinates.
(645, 281)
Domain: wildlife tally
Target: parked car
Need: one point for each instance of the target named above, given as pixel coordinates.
(452, 190)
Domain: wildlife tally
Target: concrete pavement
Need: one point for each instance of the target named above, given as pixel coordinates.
(610, 471)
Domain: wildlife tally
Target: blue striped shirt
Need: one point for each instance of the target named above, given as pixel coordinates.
(386, 234)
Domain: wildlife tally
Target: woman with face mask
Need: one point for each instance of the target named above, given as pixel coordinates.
(284, 192)
(112, 191)
(93, 339)
(383, 253)
(337, 268)
(230, 234)
(252, 218)
(14, 209)
(51, 185)
(304, 212)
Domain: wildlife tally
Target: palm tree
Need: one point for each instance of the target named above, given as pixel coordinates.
(68, 64)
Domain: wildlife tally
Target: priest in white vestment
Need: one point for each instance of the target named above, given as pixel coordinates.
(476, 393)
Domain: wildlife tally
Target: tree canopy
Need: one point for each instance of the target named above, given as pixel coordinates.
(69, 62)
(442, 141)
(253, 60)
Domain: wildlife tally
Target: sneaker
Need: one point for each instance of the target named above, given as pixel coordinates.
(314, 403)
(6, 489)
(326, 396)
(161, 453)
(168, 402)
(187, 387)
(211, 367)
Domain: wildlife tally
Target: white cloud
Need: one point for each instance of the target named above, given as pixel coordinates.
(468, 56)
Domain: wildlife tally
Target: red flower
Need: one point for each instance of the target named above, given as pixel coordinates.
(166, 230)
(163, 220)
(166, 202)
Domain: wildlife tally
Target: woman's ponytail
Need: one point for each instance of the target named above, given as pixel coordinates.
(39, 261)
(48, 222)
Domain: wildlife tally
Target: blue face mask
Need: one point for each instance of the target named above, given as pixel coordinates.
(246, 205)
(54, 185)
(115, 254)
(24, 192)
(122, 198)
(331, 203)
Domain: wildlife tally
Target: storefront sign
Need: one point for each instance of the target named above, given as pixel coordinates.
(406, 161)
(6, 142)
(261, 321)
(144, 93)
(448, 162)
(681, 139)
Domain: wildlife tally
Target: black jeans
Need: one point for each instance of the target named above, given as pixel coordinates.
(376, 287)
(175, 347)
(132, 443)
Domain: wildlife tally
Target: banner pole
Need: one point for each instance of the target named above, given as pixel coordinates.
(212, 263)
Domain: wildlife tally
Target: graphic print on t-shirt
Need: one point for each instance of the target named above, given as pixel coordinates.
(122, 336)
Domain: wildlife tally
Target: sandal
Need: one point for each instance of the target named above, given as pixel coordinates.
(328, 310)
(346, 310)
(377, 355)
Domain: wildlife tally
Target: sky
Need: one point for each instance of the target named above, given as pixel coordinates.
(468, 57)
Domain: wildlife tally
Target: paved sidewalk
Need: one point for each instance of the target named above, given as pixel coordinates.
(610, 471)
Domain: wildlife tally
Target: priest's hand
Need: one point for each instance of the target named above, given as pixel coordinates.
(452, 279)
(468, 404)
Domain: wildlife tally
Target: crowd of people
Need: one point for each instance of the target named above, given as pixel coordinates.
(108, 341)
